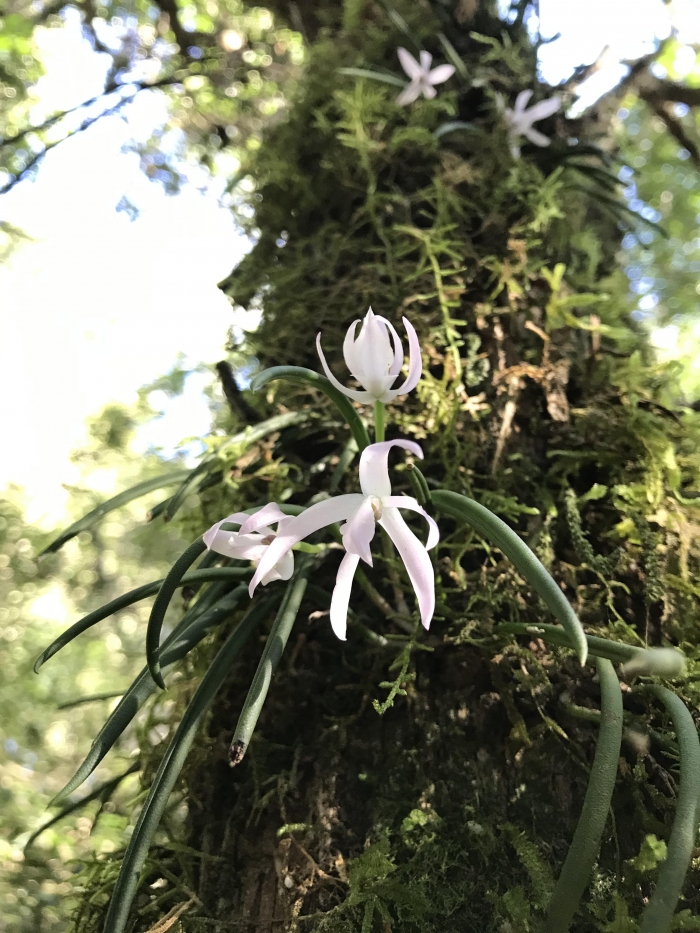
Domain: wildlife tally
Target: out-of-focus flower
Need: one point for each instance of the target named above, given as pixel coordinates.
(519, 119)
(253, 539)
(374, 362)
(360, 513)
(423, 79)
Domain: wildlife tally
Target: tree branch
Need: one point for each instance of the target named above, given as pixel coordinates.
(56, 117)
(235, 398)
(675, 128)
(667, 91)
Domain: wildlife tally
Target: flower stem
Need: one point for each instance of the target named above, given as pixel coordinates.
(378, 421)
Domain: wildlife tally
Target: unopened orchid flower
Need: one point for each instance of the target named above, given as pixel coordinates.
(253, 539)
(423, 79)
(375, 358)
(360, 514)
(519, 120)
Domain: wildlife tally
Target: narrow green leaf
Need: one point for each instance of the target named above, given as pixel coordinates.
(584, 849)
(453, 56)
(188, 633)
(92, 518)
(128, 599)
(103, 793)
(491, 527)
(194, 482)
(275, 645)
(302, 376)
(91, 698)
(658, 915)
(162, 601)
(597, 647)
(170, 767)
(373, 75)
(452, 127)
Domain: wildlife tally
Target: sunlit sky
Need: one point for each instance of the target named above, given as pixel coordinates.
(96, 305)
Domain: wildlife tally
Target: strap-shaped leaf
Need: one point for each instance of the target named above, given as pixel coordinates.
(188, 633)
(128, 599)
(171, 765)
(584, 849)
(452, 127)
(658, 916)
(92, 518)
(491, 527)
(103, 793)
(200, 476)
(597, 647)
(303, 376)
(384, 77)
(166, 592)
(274, 646)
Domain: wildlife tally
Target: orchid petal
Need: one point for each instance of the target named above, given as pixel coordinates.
(543, 109)
(427, 90)
(409, 63)
(282, 570)
(416, 559)
(441, 73)
(373, 354)
(521, 101)
(209, 536)
(425, 61)
(374, 466)
(410, 93)
(539, 139)
(340, 599)
(349, 346)
(398, 348)
(415, 364)
(337, 509)
(363, 397)
(359, 531)
(408, 502)
(267, 515)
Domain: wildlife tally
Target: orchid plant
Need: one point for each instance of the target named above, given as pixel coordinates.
(375, 358)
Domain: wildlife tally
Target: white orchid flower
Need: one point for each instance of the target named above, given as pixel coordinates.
(253, 539)
(374, 362)
(519, 119)
(423, 80)
(360, 513)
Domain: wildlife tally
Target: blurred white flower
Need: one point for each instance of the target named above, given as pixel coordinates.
(423, 80)
(519, 120)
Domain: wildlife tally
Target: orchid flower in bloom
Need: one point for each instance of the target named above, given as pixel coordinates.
(360, 514)
(374, 362)
(519, 120)
(253, 539)
(423, 80)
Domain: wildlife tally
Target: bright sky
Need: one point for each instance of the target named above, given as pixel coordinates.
(97, 305)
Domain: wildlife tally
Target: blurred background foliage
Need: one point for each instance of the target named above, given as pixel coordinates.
(227, 72)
